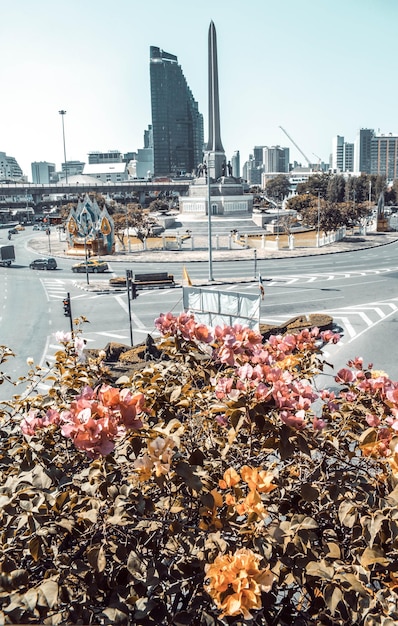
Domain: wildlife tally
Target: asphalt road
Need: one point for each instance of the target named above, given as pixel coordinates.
(359, 289)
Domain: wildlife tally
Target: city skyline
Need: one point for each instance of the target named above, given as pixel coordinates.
(317, 69)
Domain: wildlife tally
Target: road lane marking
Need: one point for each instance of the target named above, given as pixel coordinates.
(134, 318)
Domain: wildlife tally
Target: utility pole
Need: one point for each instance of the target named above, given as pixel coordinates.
(62, 113)
(131, 295)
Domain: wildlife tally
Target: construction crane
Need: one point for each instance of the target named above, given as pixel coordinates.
(296, 146)
(319, 161)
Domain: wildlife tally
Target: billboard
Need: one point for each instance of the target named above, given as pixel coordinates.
(219, 308)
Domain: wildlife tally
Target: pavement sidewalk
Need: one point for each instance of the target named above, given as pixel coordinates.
(41, 244)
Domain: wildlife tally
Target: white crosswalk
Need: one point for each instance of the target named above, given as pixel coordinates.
(55, 288)
(291, 279)
(354, 320)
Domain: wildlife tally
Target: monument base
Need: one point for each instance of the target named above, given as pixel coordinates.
(226, 198)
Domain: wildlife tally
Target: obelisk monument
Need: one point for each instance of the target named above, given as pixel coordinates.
(214, 186)
(215, 157)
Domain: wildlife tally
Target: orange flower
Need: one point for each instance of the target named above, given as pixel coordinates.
(157, 460)
(231, 478)
(236, 582)
(144, 467)
(251, 504)
(230, 500)
(257, 480)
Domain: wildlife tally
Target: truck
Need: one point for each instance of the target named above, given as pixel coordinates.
(7, 255)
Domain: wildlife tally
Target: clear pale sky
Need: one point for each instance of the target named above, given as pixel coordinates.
(318, 68)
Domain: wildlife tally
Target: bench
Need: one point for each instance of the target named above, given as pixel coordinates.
(153, 280)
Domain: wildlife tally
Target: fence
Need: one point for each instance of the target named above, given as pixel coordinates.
(307, 239)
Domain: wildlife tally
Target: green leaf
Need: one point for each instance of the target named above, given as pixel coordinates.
(191, 479)
(333, 596)
(34, 546)
(115, 616)
(353, 583)
(197, 457)
(136, 566)
(30, 599)
(347, 513)
(286, 447)
(49, 589)
(40, 478)
(371, 556)
(309, 493)
(96, 558)
(319, 569)
(175, 394)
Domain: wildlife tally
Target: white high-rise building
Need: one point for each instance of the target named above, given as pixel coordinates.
(338, 154)
(9, 168)
(276, 159)
(43, 172)
(342, 155)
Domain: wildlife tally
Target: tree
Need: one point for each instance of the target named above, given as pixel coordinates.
(335, 189)
(215, 483)
(131, 216)
(315, 183)
(300, 203)
(278, 188)
(317, 213)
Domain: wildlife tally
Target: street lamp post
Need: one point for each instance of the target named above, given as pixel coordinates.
(62, 113)
(319, 213)
(127, 231)
(49, 238)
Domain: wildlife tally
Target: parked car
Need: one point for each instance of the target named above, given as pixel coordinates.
(48, 263)
(93, 265)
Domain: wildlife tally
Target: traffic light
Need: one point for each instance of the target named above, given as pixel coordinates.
(67, 309)
(134, 293)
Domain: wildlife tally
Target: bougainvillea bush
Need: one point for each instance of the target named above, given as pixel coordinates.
(214, 485)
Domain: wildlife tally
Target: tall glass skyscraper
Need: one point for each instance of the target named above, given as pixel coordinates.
(177, 125)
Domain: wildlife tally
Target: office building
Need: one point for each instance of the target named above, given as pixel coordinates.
(71, 168)
(362, 150)
(43, 173)
(342, 155)
(384, 156)
(9, 168)
(107, 172)
(348, 157)
(338, 154)
(254, 167)
(177, 125)
(235, 162)
(276, 159)
(112, 156)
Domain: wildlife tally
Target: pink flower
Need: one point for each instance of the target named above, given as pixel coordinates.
(345, 376)
(97, 417)
(357, 363)
(294, 421)
(318, 424)
(63, 337)
(328, 336)
(33, 422)
(262, 392)
(372, 420)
